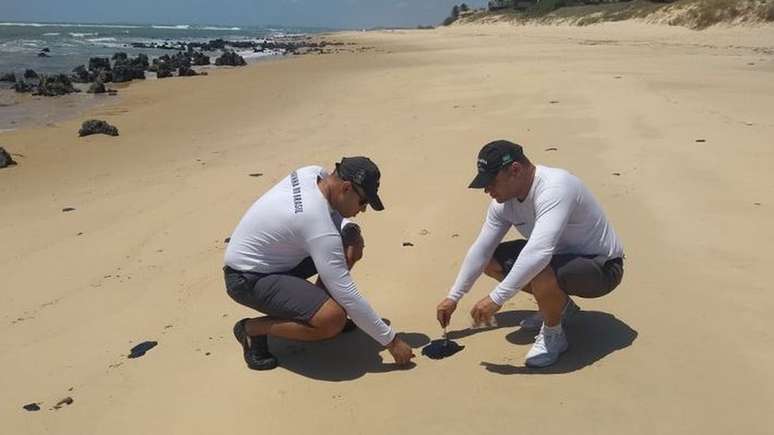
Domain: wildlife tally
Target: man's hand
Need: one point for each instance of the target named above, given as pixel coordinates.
(354, 244)
(444, 311)
(483, 311)
(401, 352)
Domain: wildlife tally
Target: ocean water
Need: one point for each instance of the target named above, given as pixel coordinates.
(72, 44)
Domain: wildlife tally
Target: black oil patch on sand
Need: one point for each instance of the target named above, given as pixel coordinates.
(441, 348)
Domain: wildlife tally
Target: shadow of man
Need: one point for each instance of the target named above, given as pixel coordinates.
(345, 357)
(592, 336)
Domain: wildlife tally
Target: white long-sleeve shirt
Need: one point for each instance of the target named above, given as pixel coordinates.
(293, 221)
(558, 216)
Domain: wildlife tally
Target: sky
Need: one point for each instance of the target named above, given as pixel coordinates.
(306, 13)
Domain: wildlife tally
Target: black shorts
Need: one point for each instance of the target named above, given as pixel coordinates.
(587, 276)
(287, 295)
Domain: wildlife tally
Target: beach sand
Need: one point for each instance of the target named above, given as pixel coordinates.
(670, 128)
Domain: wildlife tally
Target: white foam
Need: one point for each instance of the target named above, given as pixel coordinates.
(107, 26)
(107, 39)
(82, 35)
(221, 28)
(176, 27)
(52, 34)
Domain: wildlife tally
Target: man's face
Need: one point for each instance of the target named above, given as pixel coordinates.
(505, 185)
(354, 200)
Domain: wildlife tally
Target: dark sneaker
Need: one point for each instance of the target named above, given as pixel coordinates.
(255, 349)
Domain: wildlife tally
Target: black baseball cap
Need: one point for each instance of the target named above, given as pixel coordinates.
(493, 157)
(363, 172)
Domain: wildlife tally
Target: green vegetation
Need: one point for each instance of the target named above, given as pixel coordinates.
(696, 14)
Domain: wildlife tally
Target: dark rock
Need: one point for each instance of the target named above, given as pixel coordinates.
(68, 209)
(82, 75)
(164, 70)
(142, 348)
(199, 58)
(97, 88)
(227, 239)
(552, 149)
(22, 86)
(55, 85)
(230, 58)
(5, 158)
(41, 54)
(104, 76)
(124, 72)
(95, 126)
(31, 407)
(30, 74)
(256, 174)
(701, 140)
(99, 63)
(8, 77)
(119, 56)
(45, 50)
(186, 72)
(408, 244)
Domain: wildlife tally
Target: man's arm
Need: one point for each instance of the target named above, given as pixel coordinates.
(552, 213)
(492, 232)
(479, 254)
(327, 252)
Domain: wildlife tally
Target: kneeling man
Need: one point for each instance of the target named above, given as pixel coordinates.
(570, 248)
(296, 230)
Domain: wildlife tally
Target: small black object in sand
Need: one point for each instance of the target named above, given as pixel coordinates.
(66, 209)
(141, 348)
(256, 174)
(441, 348)
(31, 407)
(408, 244)
(227, 239)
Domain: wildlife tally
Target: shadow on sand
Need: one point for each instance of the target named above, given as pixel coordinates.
(592, 335)
(346, 357)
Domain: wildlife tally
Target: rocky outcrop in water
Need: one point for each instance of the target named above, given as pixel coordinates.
(8, 77)
(54, 85)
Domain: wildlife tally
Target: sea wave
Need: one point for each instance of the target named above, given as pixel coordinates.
(106, 39)
(175, 27)
(52, 34)
(221, 28)
(107, 26)
(82, 35)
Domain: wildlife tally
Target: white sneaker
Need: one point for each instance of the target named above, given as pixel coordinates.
(535, 321)
(547, 348)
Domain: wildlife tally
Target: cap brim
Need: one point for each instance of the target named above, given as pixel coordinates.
(482, 180)
(375, 202)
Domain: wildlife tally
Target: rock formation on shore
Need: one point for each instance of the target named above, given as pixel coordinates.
(96, 126)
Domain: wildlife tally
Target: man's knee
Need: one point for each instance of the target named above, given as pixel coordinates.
(494, 270)
(544, 282)
(329, 319)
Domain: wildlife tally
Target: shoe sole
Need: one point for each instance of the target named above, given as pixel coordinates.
(266, 363)
(539, 366)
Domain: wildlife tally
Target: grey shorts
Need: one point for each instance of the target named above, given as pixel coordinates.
(587, 276)
(287, 295)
